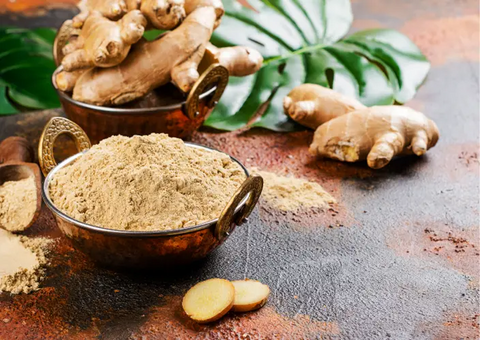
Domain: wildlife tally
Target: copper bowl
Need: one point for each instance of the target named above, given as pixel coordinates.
(178, 119)
(140, 249)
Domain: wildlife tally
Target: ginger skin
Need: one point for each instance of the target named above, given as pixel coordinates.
(102, 42)
(66, 81)
(161, 14)
(175, 56)
(312, 105)
(240, 61)
(110, 9)
(376, 134)
(348, 131)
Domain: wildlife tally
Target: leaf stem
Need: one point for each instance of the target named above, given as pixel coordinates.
(291, 54)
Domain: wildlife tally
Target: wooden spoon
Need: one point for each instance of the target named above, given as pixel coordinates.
(16, 157)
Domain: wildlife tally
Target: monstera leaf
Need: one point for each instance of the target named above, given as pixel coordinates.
(26, 67)
(300, 42)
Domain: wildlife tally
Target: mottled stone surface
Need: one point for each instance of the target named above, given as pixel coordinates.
(397, 258)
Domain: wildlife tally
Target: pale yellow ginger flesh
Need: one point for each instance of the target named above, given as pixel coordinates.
(240, 61)
(102, 42)
(175, 56)
(209, 300)
(249, 295)
(312, 105)
(376, 134)
(111, 9)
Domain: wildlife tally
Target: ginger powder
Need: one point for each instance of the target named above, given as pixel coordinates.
(146, 183)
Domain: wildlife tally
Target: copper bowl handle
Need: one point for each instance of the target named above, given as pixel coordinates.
(214, 75)
(65, 32)
(54, 128)
(253, 185)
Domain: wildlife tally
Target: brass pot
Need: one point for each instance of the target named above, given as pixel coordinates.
(136, 249)
(180, 119)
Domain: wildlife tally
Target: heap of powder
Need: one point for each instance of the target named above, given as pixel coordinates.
(146, 183)
(22, 262)
(290, 193)
(18, 203)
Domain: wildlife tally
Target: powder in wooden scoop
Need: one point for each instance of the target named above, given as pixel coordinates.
(18, 203)
(22, 262)
(146, 183)
(290, 193)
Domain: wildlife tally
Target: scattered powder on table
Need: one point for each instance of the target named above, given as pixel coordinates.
(18, 203)
(290, 193)
(22, 262)
(146, 183)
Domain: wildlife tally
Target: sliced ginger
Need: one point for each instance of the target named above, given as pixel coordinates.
(209, 300)
(249, 295)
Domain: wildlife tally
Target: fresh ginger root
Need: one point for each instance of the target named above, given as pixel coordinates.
(192, 5)
(312, 105)
(111, 9)
(249, 295)
(376, 134)
(209, 300)
(161, 14)
(240, 61)
(348, 131)
(102, 42)
(66, 81)
(175, 56)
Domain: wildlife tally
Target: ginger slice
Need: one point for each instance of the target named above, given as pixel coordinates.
(209, 300)
(249, 295)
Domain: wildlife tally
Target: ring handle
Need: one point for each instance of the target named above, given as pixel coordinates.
(54, 128)
(65, 32)
(253, 185)
(215, 74)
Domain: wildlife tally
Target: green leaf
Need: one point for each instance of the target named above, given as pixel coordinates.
(26, 68)
(300, 43)
(5, 106)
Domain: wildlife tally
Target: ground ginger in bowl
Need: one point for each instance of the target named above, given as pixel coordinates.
(146, 183)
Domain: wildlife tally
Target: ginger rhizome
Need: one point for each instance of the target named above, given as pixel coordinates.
(161, 14)
(348, 131)
(312, 105)
(111, 9)
(103, 42)
(240, 61)
(175, 56)
(108, 63)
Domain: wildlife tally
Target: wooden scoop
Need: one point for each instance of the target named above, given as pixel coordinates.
(16, 157)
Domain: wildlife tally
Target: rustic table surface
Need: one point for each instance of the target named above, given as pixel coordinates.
(397, 258)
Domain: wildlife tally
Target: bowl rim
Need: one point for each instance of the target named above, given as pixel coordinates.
(129, 233)
(117, 110)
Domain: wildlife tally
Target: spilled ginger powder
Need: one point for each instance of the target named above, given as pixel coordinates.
(18, 204)
(146, 183)
(22, 262)
(290, 193)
